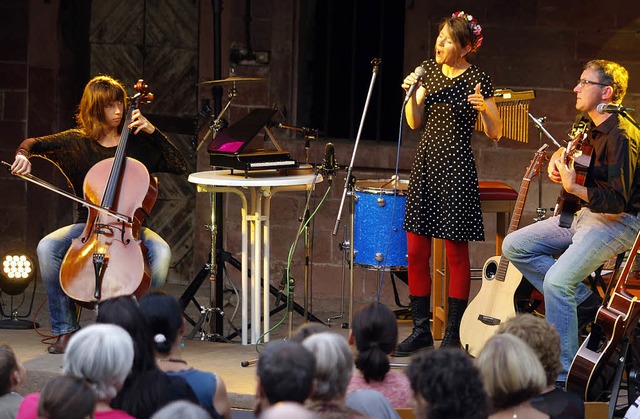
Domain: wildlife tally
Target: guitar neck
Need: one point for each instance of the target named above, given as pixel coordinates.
(531, 172)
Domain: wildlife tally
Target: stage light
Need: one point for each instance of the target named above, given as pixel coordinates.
(18, 271)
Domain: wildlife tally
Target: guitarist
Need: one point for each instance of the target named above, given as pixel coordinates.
(556, 259)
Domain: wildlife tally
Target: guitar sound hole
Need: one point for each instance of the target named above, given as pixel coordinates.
(490, 270)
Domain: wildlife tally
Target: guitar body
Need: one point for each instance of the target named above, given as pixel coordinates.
(581, 154)
(493, 305)
(593, 366)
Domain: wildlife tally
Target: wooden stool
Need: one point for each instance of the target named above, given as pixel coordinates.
(495, 197)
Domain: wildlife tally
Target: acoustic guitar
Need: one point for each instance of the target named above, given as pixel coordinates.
(495, 303)
(580, 153)
(593, 366)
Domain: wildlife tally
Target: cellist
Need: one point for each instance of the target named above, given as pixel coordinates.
(99, 119)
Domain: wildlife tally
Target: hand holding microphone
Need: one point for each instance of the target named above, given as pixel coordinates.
(412, 82)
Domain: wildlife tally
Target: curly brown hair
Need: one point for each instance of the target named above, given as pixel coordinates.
(539, 335)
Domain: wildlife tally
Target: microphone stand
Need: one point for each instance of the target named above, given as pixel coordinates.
(540, 211)
(628, 118)
(376, 66)
(349, 183)
(308, 133)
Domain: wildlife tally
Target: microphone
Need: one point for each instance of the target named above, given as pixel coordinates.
(329, 165)
(420, 71)
(612, 108)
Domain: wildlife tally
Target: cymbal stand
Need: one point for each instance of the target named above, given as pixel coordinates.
(539, 122)
(219, 124)
(207, 314)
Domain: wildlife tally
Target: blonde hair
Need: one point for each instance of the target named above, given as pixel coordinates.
(510, 370)
(541, 337)
(614, 75)
(100, 92)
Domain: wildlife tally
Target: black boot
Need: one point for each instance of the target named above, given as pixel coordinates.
(452, 334)
(420, 337)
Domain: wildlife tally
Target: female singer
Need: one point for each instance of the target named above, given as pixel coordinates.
(443, 198)
(75, 151)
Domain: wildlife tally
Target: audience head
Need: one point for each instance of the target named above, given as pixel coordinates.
(334, 364)
(181, 409)
(510, 370)
(286, 371)
(287, 410)
(102, 354)
(66, 397)
(164, 314)
(446, 384)
(12, 372)
(124, 312)
(375, 331)
(541, 337)
(307, 329)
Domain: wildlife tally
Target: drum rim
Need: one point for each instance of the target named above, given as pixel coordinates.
(377, 190)
(397, 268)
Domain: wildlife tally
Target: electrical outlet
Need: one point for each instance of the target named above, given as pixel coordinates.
(262, 57)
(241, 56)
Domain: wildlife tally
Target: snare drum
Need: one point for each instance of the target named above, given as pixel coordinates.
(379, 241)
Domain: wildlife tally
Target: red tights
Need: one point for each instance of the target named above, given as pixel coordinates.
(419, 249)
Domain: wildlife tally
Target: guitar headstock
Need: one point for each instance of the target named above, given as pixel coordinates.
(536, 162)
(578, 134)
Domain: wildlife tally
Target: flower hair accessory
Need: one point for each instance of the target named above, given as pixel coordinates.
(474, 27)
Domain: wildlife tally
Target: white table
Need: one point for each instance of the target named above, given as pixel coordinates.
(261, 186)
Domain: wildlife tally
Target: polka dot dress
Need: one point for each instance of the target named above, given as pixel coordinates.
(443, 199)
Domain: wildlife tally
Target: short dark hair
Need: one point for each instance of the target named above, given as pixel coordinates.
(450, 384)
(65, 396)
(8, 364)
(375, 331)
(286, 371)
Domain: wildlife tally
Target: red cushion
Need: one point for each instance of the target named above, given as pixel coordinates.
(496, 191)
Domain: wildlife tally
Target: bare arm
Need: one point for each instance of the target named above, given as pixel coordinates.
(221, 399)
(488, 113)
(414, 108)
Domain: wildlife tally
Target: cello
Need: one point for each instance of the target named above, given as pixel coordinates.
(109, 259)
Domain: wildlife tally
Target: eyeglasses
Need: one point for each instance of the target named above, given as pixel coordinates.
(585, 82)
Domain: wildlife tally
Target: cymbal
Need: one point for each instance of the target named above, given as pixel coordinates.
(229, 80)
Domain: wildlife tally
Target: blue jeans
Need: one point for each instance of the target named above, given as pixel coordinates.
(556, 260)
(51, 251)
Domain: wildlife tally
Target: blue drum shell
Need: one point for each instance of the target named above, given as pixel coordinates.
(378, 229)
